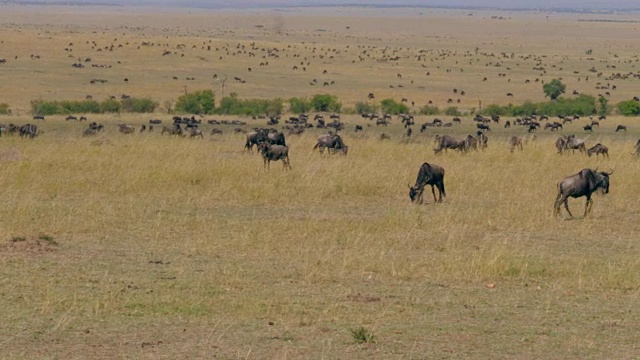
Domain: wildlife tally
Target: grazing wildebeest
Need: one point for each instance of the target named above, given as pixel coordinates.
(470, 143)
(598, 149)
(71, 117)
(176, 130)
(507, 124)
(572, 143)
(195, 132)
(216, 131)
(449, 142)
(155, 121)
(483, 127)
(38, 117)
(584, 183)
(332, 142)
(429, 174)
(621, 128)
(359, 128)
(588, 128)
(29, 131)
(126, 129)
(274, 153)
(515, 142)
(275, 138)
(254, 138)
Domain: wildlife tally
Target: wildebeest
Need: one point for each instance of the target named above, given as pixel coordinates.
(176, 130)
(507, 124)
(483, 140)
(584, 183)
(29, 131)
(331, 141)
(637, 149)
(588, 128)
(598, 149)
(449, 142)
(429, 174)
(560, 144)
(195, 132)
(483, 127)
(38, 117)
(515, 142)
(274, 153)
(621, 128)
(572, 143)
(216, 131)
(358, 128)
(126, 129)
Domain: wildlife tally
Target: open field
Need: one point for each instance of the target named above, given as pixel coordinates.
(149, 246)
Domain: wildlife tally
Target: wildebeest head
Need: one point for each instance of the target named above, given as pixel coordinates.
(602, 179)
(414, 193)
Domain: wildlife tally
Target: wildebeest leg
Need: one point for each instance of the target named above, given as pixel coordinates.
(587, 206)
(566, 206)
(433, 191)
(556, 205)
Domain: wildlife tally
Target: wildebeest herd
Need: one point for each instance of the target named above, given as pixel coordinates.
(272, 146)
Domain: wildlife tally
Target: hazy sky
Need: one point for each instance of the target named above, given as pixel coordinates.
(448, 3)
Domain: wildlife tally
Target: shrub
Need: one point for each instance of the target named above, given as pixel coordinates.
(393, 107)
(232, 105)
(325, 102)
(429, 110)
(365, 108)
(553, 89)
(139, 105)
(452, 111)
(4, 109)
(198, 102)
(110, 106)
(299, 105)
(629, 108)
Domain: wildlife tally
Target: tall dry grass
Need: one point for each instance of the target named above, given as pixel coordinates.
(192, 243)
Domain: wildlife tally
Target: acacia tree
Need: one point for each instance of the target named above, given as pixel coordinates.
(554, 89)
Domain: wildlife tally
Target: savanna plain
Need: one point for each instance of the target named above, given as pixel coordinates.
(151, 246)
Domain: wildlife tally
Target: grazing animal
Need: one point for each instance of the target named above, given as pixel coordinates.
(274, 153)
(449, 142)
(429, 174)
(515, 142)
(598, 149)
(216, 131)
(621, 128)
(359, 128)
(507, 124)
(331, 141)
(126, 129)
(561, 144)
(483, 127)
(482, 140)
(28, 131)
(572, 143)
(584, 183)
(588, 128)
(195, 132)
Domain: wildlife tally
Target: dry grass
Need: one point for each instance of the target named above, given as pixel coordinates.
(146, 246)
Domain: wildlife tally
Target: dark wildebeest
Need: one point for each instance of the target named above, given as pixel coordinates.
(38, 117)
(275, 138)
(621, 128)
(584, 183)
(483, 127)
(515, 142)
(358, 128)
(449, 142)
(331, 141)
(588, 128)
(429, 174)
(176, 130)
(274, 153)
(126, 129)
(637, 149)
(507, 124)
(29, 131)
(216, 131)
(598, 149)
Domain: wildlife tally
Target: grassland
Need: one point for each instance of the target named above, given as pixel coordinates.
(146, 246)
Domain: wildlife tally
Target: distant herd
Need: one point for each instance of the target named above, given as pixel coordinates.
(272, 146)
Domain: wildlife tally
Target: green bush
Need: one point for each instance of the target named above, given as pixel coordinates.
(629, 108)
(232, 105)
(110, 106)
(198, 102)
(452, 111)
(365, 108)
(4, 109)
(582, 105)
(429, 110)
(325, 102)
(299, 105)
(390, 106)
(138, 105)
